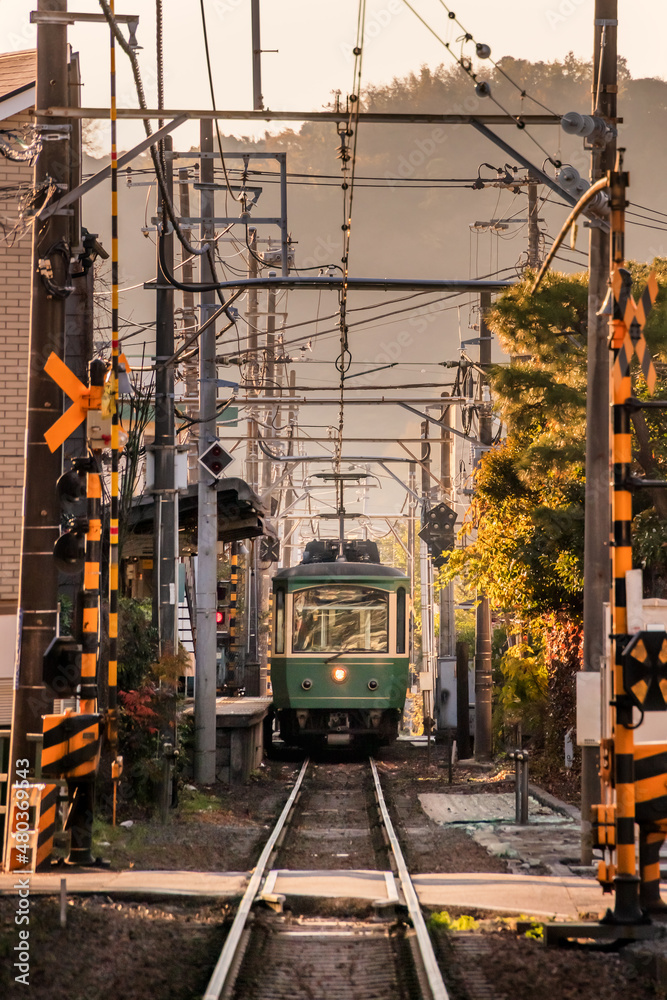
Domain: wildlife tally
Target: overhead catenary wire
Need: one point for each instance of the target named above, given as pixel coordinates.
(348, 164)
(483, 89)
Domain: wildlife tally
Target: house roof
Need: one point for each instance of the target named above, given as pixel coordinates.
(18, 72)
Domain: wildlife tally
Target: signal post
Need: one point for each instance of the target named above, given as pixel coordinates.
(632, 778)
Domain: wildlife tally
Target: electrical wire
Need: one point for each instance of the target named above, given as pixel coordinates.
(212, 89)
(349, 169)
(483, 89)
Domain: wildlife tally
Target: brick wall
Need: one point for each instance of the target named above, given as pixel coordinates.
(15, 266)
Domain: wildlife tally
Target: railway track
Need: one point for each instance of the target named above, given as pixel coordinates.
(270, 955)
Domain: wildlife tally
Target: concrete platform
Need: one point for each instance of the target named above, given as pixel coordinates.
(103, 881)
(484, 807)
(239, 744)
(536, 896)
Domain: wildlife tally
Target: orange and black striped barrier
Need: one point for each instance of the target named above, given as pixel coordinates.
(32, 825)
(71, 747)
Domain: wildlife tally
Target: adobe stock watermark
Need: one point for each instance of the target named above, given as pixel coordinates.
(222, 7)
(393, 350)
(423, 149)
(21, 836)
(375, 25)
(326, 251)
(559, 15)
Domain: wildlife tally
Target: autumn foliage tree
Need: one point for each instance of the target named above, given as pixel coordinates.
(524, 535)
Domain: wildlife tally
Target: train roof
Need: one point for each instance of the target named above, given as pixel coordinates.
(341, 567)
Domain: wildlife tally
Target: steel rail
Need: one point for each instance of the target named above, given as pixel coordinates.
(435, 981)
(224, 963)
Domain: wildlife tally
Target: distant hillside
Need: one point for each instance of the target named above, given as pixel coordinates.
(424, 231)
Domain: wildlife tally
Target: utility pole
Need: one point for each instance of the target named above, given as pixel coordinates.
(596, 524)
(257, 97)
(189, 322)
(207, 507)
(533, 229)
(412, 486)
(447, 636)
(165, 527)
(252, 451)
(38, 589)
(289, 495)
(483, 678)
(426, 573)
(267, 473)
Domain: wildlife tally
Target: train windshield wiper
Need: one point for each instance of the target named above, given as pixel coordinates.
(336, 655)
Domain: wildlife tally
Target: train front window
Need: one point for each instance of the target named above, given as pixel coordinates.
(340, 618)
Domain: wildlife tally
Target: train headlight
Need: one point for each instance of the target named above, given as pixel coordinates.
(307, 684)
(373, 684)
(339, 674)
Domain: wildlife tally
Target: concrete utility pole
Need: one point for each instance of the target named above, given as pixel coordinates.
(289, 494)
(483, 678)
(189, 322)
(412, 486)
(252, 451)
(267, 473)
(252, 459)
(426, 575)
(596, 526)
(207, 507)
(447, 636)
(257, 97)
(533, 229)
(38, 590)
(165, 526)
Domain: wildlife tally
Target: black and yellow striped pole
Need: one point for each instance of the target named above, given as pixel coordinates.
(91, 592)
(84, 759)
(626, 881)
(230, 680)
(112, 723)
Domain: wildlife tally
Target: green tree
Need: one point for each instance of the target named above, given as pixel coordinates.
(524, 530)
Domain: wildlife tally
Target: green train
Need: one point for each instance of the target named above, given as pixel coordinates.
(339, 658)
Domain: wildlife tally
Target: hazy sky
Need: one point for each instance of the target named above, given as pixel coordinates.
(314, 39)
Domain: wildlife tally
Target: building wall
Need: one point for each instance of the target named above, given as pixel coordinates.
(15, 268)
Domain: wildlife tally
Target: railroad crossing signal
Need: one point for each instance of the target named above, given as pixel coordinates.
(61, 669)
(269, 549)
(215, 459)
(83, 398)
(645, 671)
(631, 319)
(438, 531)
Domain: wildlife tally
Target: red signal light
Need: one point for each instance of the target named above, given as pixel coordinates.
(219, 617)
